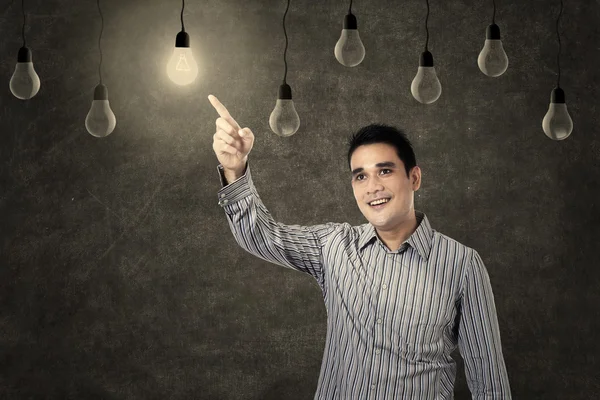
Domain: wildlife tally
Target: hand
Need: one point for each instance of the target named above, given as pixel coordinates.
(231, 143)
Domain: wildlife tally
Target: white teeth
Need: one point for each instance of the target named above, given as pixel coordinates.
(380, 201)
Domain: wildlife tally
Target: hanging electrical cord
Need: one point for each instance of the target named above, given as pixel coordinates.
(558, 36)
(426, 28)
(182, 8)
(99, 39)
(286, 42)
(23, 32)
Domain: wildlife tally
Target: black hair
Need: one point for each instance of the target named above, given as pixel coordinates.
(380, 133)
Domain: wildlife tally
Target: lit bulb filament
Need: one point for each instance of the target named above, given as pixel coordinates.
(182, 64)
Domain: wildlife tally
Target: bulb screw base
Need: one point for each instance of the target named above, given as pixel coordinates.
(182, 39)
(285, 92)
(557, 96)
(24, 55)
(100, 92)
(350, 22)
(492, 32)
(426, 59)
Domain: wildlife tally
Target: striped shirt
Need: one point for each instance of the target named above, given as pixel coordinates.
(393, 317)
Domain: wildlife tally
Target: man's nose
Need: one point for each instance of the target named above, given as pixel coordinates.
(374, 185)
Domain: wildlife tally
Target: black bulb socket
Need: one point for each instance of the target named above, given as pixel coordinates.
(557, 96)
(100, 92)
(182, 39)
(492, 32)
(426, 59)
(285, 92)
(24, 55)
(350, 22)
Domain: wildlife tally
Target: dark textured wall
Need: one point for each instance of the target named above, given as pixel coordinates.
(119, 277)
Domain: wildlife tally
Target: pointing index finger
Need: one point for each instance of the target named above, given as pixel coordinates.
(223, 112)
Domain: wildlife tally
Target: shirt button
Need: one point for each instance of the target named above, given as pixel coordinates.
(372, 386)
(222, 195)
(225, 201)
(377, 351)
(378, 320)
(384, 286)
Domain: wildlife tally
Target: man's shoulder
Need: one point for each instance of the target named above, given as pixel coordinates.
(448, 241)
(461, 253)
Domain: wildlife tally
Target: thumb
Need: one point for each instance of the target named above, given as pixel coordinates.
(243, 134)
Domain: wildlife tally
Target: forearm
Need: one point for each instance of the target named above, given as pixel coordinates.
(233, 175)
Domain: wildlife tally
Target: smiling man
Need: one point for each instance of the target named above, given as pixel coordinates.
(400, 296)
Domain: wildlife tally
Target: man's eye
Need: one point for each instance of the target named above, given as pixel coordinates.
(359, 175)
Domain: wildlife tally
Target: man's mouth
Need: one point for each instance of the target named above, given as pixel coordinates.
(379, 203)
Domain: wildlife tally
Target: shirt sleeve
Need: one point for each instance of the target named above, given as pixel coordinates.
(479, 336)
(254, 229)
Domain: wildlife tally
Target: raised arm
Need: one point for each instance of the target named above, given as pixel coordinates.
(292, 246)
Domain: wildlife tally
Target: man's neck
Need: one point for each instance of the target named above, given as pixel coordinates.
(394, 239)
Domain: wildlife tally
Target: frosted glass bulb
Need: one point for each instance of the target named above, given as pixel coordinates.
(557, 122)
(492, 59)
(25, 82)
(284, 120)
(425, 86)
(349, 49)
(100, 120)
(182, 68)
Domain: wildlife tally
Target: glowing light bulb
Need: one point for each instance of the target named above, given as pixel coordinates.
(100, 120)
(284, 120)
(349, 49)
(425, 86)
(492, 59)
(557, 122)
(25, 82)
(182, 67)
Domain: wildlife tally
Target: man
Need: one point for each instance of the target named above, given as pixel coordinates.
(399, 295)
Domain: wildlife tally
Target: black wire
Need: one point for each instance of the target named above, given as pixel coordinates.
(182, 7)
(23, 10)
(99, 38)
(286, 42)
(427, 29)
(558, 35)
(350, 8)
(494, 14)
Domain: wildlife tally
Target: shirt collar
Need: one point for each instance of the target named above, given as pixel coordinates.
(421, 239)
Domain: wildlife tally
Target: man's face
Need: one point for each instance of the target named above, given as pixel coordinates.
(377, 172)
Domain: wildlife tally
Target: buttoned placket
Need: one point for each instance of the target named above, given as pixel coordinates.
(379, 323)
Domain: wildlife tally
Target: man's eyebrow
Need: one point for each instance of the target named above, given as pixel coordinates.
(378, 165)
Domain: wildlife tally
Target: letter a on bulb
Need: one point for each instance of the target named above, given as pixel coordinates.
(182, 64)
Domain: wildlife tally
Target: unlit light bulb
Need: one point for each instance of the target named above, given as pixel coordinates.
(100, 120)
(284, 120)
(182, 67)
(492, 59)
(349, 49)
(25, 82)
(557, 123)
(426, 87)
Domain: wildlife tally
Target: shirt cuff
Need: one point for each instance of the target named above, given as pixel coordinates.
(237, 190)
